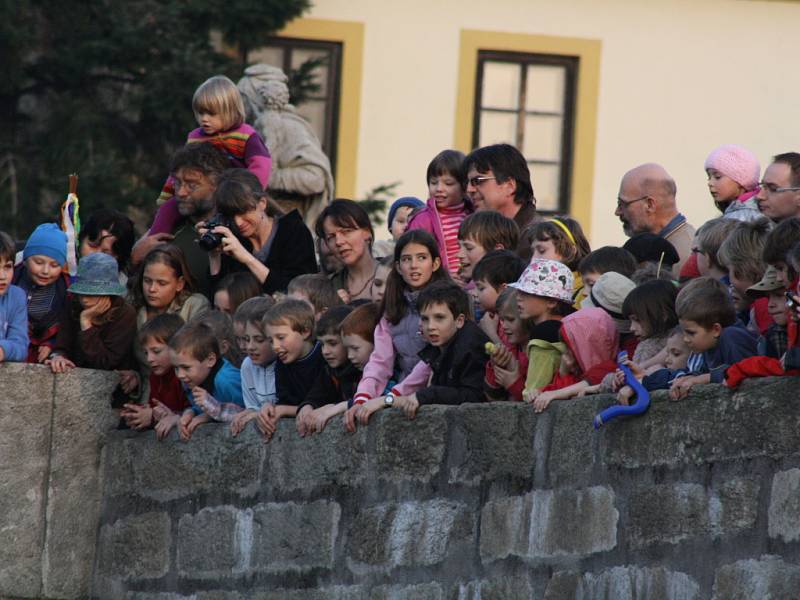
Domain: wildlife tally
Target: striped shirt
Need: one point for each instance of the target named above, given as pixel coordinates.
(451, 219)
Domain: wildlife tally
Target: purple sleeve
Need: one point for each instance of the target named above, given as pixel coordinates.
(166, 218)
(258, 159)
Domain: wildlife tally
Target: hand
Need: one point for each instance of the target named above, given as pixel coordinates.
(488, 325)
(160, 410)
(502, 357)
(408, 404)
(231, 245)
(42, 353)
(319, 418)
(637, 371)
(619, 380)
(542, 401)
(507, 376)
(267, 421)
(530, 395)
(345, 297)
(240, 420)
(200, 395)
(680, 387)
(302, 421)
(147, 243)
(165, 425)
(364, 411)
(625, 394)
(60, 364)
(128, 380)
(137, 416)
(350, 418)
(195, 423)
(183, 425)
(94, 311)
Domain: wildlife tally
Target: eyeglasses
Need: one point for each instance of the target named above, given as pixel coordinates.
(771, 188)
(189, 186)
(476, 181)
(625, 203)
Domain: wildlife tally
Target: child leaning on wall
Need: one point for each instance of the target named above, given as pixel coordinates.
(13, 309)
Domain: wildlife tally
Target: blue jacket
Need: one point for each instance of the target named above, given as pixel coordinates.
(225, 387)
(14, 324)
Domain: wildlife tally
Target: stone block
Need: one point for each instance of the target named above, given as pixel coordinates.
(214, 542)
(623, 583)
(768, 577)
(408, 534)
(421, 591)
(135, 547)
(784, 506)
(494, 443)
(294, 537)
(410, 449)
(504, 588)
(712, 424)
(737, 500)
(549, 523)
(570, 459)
(334, 592)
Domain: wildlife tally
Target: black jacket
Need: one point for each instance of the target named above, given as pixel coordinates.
(458, 368)
(332, 386)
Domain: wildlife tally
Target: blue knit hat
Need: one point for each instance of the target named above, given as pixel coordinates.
(47, 240)
(97, 276)
(411, 201)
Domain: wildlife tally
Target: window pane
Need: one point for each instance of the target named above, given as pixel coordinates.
(500, 85)
(545, 185)
(314, 112)
(497, 128)
(542, 139)
(545, 88)
(300, 56)
(272, 55)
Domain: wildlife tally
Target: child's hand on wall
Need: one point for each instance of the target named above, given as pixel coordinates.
(240, 420)
(183, 425)
(543, 400)
(408, 404)
(165, 425)
(320, 417)
(364, 411)
(267, 421)
(530, 395)
(128, 380)
(302, 421)
(60, 364)
(160, 410)
(43, 353)
(137, 416)
(350, 418)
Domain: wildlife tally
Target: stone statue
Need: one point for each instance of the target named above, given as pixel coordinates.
(301, 173)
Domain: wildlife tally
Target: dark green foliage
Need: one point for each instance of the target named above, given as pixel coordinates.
(104, 89)
(376, 199)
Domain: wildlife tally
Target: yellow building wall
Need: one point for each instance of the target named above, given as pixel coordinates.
(674, 80)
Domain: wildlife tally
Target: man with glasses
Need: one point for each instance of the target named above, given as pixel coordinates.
(498, 179)
(779, 196)
(646, 204)
(196, 169)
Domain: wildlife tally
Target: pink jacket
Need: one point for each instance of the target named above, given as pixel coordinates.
(592, 337)
(428, 219)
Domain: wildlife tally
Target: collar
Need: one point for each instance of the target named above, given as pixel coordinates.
(676, 222)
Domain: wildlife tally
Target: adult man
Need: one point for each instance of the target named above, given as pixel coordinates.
(498, 179)
(646, 204)
(196, 169)
(779, 196)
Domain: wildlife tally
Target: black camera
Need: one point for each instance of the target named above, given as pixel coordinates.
(790, 299)
(210, 240)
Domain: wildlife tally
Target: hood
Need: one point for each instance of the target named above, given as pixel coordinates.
(591, 335)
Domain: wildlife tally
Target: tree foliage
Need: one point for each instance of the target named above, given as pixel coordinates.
(104, 89)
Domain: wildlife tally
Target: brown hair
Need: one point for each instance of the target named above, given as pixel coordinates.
(294, 313)
(571, 249)
(319, 289)
(710, 236)
(490, 229)
(8, 249)
(160, 328)
(742, 251)
(448, 162)
(253, 310)
(705, 301)
(330, 322)
(362, 321)
(198, 338)
(171, 256)
(218, 95)
(222, 326)
(240, 287)
(239, 191)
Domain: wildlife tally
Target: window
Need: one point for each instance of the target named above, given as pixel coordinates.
(320, 108)
(528, 100)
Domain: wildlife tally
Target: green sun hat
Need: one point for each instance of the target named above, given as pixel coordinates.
(97, 276)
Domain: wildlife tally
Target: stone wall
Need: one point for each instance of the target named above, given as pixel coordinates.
(698, 499)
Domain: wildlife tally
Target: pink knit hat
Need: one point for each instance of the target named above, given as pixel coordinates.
(736, 162)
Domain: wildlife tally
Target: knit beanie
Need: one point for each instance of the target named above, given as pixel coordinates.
(736, 162)
(47, 240)
(411, 201)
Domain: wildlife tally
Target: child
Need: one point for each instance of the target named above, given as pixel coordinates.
(381, 277)
(400, 214)
(13, 312)
(707, 317)
(651, 249)
(258, 368)
(289, 326)
(733, 174)
(447, 206)
(219, 110)
(98, 327)
(212, 384)
(777, 245)
(773, 342)
(234, 289)
(316, 289)
(603, 260)
(481, 232)
(337, 382)
(491, 275)
(590, 343)
(222, 326)
(674, 364)
(707, 241)
(609, 293)
(454, 354)
(508, 367)
(167, 399)
(651, 310)
(544, 298)
(397, 338)
(42, 280)
(562, 239)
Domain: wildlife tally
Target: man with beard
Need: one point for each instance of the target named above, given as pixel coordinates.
(196, 169)
(646, 204)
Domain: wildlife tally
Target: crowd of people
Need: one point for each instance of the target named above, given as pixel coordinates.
(229, 309)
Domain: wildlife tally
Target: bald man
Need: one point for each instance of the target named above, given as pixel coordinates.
(646, 204)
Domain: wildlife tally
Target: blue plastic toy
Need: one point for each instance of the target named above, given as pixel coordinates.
(637, 408)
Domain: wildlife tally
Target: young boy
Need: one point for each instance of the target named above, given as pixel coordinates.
(289, 326)
(773, 341)
(707, 316)
(491, 275)
(317, 290)
(603, 260)
(337, 382)
(212, 384)
(45, 285)
(480, 233)
(258, 368)
(166, 396)
(13, 309)
(455, 352)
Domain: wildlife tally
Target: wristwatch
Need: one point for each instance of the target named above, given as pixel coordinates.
(388, 400)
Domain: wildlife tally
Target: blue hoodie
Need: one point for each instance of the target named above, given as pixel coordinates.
(14, 324)
(225, 387)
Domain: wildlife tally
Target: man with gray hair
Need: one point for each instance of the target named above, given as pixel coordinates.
(646, 204)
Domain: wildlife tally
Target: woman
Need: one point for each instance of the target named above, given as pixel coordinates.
(345, 227)
(110, 232)
(274, 247)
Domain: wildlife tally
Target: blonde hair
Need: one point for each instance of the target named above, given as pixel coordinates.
(218, 95)
(297, 314)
